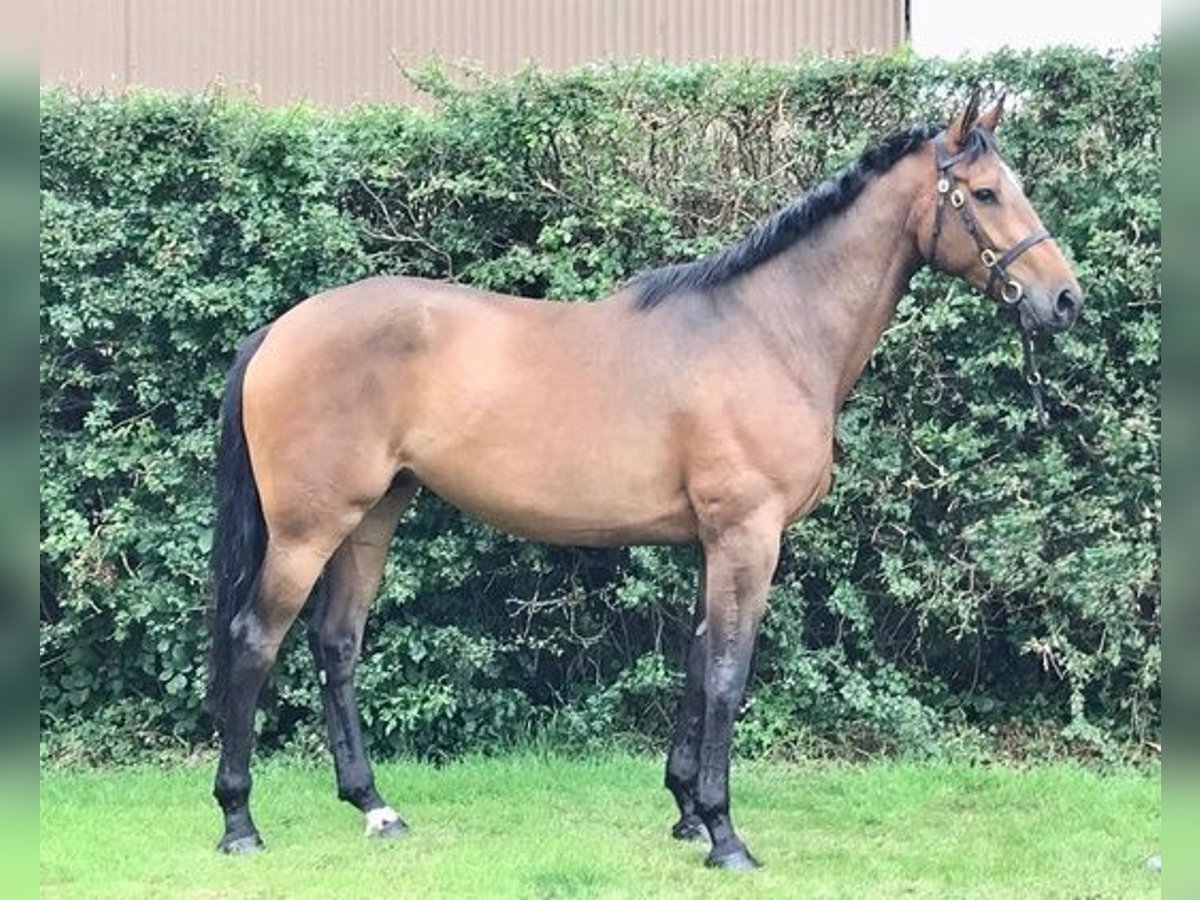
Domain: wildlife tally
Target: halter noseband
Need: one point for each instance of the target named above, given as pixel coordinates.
(997, 264)
(1013, 292)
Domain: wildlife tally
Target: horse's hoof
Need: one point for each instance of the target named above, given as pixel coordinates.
(689, 828)
(384, 823)
(390, 831)
(241, 844)
(738, 860)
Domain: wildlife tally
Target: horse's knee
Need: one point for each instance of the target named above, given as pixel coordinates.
(726, 677)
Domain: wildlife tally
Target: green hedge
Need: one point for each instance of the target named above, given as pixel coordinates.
(969, 582)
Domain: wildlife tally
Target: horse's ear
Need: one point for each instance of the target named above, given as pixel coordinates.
(990, 117)
(961, 127)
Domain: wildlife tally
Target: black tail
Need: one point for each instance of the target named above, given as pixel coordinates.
(240, 534)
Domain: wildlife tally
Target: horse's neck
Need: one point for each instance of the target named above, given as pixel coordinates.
(825, 302)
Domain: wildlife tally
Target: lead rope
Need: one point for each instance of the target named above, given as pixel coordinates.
(1033, 378)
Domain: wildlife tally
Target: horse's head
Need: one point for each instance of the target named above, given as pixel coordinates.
(981, 227)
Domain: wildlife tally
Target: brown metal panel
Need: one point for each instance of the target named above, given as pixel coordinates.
(336, 53)
(83, 44)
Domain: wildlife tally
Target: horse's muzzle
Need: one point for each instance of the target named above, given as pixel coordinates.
(1066, 307)
(1051, 312)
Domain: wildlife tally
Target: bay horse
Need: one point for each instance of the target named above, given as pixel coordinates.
(696, 404)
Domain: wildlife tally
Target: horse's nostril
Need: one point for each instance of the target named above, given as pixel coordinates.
(1066, 304)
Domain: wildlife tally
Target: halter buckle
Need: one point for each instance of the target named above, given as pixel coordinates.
(957, 199)
(988, 257)
(1013, 291)
(943, 185)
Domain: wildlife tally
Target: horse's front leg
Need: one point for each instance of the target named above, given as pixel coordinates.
(739, 562)
(683, 759)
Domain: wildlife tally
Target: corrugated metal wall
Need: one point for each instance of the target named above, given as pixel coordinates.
(337, 52)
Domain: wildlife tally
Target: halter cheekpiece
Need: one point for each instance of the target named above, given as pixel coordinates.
(1012, 292)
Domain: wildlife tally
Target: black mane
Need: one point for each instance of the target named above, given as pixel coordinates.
(779, 231)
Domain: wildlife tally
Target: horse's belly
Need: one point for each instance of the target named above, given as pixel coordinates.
(584, 528)
(564, 503)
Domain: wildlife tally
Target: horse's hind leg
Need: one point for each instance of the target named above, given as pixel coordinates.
(281, 589)
(335, 638)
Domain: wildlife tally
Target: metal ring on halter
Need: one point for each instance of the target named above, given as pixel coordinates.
(1033, 378)
(957, 199)
(943, 185)
(1013, 291)
(988, 257)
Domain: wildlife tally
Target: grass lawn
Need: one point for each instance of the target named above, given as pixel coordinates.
(527, 826)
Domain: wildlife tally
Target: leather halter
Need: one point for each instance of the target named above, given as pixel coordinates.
(1013, 292)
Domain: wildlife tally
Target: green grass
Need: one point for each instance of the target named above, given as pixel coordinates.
(528, 826)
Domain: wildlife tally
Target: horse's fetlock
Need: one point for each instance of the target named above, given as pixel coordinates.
(232, 792)
(361, 795)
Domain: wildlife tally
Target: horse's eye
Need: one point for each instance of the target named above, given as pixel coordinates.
(984, 195)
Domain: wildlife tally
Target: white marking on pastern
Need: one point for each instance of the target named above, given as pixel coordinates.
(379, 819)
